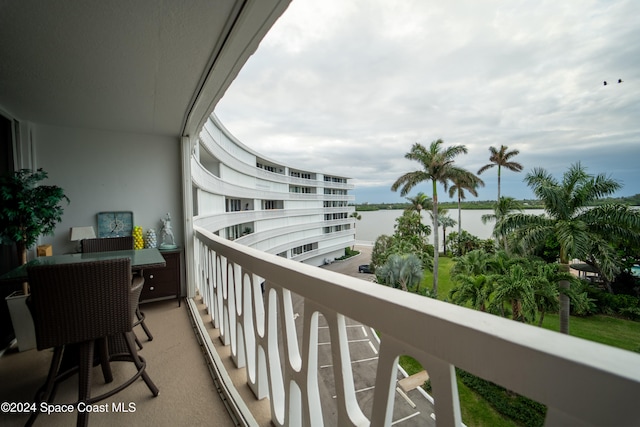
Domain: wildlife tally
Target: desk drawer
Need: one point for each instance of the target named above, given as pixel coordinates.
(163, 282)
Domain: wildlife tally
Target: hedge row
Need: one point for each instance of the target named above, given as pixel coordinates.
(522, 410)
(627, 306)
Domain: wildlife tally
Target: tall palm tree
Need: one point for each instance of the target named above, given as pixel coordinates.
(438, 167)
(581, 231)
(465, 181)
(502, 159)
(446, 222)
(504, 207)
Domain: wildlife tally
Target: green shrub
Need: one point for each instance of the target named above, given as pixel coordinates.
(631, 313)
(624, 305)
(348, 253)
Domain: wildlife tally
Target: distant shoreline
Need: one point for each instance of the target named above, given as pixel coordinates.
(488, 204)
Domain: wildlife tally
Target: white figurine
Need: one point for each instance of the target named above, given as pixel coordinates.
(167, 233)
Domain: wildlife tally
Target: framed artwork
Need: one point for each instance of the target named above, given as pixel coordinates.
(115, 224)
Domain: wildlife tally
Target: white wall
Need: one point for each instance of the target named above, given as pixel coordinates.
(209, 203)
(109, 171)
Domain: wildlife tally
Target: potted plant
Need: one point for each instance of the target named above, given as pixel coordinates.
(28, 210)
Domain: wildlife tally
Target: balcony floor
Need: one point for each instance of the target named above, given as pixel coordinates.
(175, 363)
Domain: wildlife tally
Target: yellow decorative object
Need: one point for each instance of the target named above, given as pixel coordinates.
(45, 250)
(138, 241)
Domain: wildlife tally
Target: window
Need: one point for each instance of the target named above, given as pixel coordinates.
(234, 205)
(266, 167)
(272, 204)
(304, 248)
(304, 190)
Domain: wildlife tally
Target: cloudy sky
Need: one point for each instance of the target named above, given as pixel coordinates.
(347, 86)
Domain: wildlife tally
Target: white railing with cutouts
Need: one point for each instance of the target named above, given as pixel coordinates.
(580, 382)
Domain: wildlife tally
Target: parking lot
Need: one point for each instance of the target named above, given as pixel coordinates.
(410, 409)
(350, 265)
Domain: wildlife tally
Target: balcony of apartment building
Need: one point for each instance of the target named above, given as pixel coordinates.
(336, 182)
(258, 339)
(259, 355)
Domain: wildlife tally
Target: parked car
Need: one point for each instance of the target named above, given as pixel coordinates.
(364, 268)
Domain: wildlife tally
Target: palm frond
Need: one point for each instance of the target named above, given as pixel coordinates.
(409, 180)
(485, 168)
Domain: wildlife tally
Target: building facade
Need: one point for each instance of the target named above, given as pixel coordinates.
(244, 196)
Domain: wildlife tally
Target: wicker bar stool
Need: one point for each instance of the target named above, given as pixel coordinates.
(75, 307)
(118, 244)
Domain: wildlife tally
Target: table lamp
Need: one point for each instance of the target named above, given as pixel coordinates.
(80, 233)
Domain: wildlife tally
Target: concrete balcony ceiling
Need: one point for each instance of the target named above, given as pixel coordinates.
(152, 67)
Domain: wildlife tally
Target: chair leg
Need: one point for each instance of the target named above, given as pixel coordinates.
(46, 392)
(84, 379)
(141, 317)
(138, 343)
(103, 351)
(140, 363)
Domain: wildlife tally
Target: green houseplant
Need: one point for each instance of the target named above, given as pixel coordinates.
(28, 210)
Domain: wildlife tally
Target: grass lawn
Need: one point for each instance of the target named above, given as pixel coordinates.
(607, 330)
(444, 281)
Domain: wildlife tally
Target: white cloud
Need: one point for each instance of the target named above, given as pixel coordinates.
(348, 86)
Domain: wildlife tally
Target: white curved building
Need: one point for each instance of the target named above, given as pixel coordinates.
(244, 196)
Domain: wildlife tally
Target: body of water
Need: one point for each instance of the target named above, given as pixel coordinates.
(375, 223)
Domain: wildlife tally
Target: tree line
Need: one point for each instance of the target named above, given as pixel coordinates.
(489, 204)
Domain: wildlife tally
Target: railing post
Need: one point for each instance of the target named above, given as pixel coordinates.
(386, 380)
(444, 389)
(277, 393)
(312, 414)
(349, 412)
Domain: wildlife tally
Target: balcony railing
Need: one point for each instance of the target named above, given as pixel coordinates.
(580, 382)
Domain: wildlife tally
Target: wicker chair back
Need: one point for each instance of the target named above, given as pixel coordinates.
(73, 303)
(107, 244)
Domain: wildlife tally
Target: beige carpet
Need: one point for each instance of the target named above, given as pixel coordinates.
(174, 361)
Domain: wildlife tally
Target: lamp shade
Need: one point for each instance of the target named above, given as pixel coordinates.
(79, 233)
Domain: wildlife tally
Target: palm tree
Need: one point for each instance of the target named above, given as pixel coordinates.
(581, 231)
(438, 167)
(446, 222)
(475, 289)
(504, 207)
(419, 202)
(460, 183)
(516, 288)
(546, 289)
(472, 263)
(501, 158)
